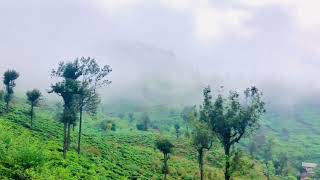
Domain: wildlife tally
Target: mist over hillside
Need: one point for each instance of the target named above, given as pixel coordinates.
(200, 89)
(270, 45)
(145, 73)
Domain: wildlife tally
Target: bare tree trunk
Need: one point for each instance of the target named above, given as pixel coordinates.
(80, 129)
(31, 115)
(65, 140)
(165, 169)
(201, 163)
(7, 106)
(227, 175)
(68, 137)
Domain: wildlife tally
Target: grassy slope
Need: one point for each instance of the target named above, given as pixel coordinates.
(296, 131)
(36, 153)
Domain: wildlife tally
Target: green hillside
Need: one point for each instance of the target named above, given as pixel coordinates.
(123, 154)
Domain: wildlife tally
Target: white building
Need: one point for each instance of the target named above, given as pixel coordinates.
(308, 170)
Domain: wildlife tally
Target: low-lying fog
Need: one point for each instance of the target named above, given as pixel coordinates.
(168, 48)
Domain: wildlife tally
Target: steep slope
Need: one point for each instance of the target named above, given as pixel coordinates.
(37, 153)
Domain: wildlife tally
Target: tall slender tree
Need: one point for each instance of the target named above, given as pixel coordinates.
(165, 146)
(186, 116)
(92, 77)
(33, 97)
(9, 78)
(202, 141)
(68, 89)
(202, 136)
(177, 129)
(230, 120)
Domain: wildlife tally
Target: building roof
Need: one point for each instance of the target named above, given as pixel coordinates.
(311, 165)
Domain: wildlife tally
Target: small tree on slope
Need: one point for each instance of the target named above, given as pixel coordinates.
(33, 97)
(230, 120)
(165, 146)
(9, 78)
(202, 142)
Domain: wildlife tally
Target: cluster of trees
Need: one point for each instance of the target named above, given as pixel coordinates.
(224, 120)
(79, 81)
(276, 163)
(9, 81)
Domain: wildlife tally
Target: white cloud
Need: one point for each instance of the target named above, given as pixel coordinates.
(179, 4)
(117, 6)
(305, 12)
(308, 13)
(212, 22)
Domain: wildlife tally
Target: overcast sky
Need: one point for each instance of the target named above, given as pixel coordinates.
(240, 41)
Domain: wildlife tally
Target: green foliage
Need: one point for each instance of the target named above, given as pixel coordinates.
(119, 155)
(33, 97)
(186, 114)
(144, 124)
(1, 95)
(202, 141)
(9, 78)
(131, 117)
(177, 129)
(164, 145)
(28, 156)
(108, 125)
(202, 137)
(69, 89)
(269, 169)
(230, 120)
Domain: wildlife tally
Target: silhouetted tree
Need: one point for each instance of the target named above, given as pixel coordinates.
(1, 95)
(33, 97)
(131, 117)
(144, 124)
(9, 78)
(185, 114)
(165, 146)
(92, 77)
(177, 129)
(121, 115)
(230, 120)
(68, 89)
